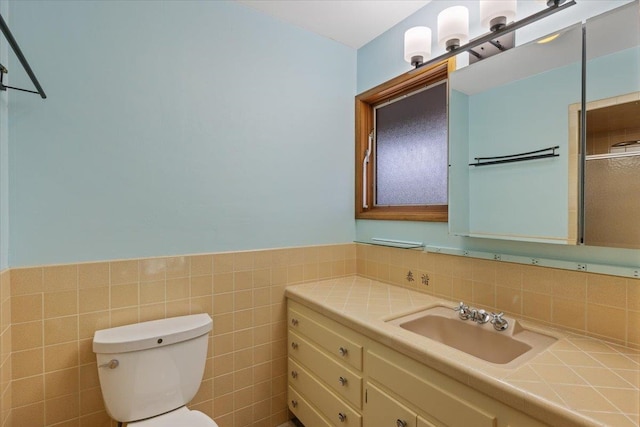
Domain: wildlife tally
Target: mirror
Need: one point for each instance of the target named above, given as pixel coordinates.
(612, 135)
(513, 154)
(529, 98)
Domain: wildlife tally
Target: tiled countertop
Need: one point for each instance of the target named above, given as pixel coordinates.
(577, 381)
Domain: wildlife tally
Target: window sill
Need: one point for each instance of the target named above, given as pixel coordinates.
(419, 213)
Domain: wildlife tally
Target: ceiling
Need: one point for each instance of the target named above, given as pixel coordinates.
(350, 22)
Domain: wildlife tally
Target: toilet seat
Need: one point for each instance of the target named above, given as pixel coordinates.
(182, 417)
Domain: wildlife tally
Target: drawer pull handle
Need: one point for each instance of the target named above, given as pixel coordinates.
(294, 374)
(343, 351)
(401, 423)
(294, 345)
(343, 381)
(294, 403)
(294, 321)
(342, 417)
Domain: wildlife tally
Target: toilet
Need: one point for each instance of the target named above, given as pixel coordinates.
(149, 371)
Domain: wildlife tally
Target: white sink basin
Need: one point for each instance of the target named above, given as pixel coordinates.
(510, 347)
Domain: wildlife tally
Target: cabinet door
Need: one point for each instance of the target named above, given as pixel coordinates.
(424, 423)
(442, 399)
(612, 163)
(381, 410)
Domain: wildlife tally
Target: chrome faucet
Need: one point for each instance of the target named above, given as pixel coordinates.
(464, 311)
(481, 316)
(468, 313)
(499, 324)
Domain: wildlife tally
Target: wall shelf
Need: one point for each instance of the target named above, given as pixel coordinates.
(633, 272)
(400, 244)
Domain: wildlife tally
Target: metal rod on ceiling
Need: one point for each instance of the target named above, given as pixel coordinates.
(557, 6)
(25, 64)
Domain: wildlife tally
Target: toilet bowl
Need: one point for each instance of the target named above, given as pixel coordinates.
(149, 371)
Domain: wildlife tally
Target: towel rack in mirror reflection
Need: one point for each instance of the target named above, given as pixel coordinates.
(521, 157)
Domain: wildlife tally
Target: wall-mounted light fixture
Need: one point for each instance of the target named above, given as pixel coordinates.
(495, 14)
(453, 30)
(417, 45)
(453, 27)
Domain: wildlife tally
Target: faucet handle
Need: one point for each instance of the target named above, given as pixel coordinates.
(460, 307)
(499, 324)
(464, 311)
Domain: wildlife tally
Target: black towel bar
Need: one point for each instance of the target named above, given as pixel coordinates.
(521, 157)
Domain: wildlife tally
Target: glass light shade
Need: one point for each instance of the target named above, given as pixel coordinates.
(453, 24)
(503, 11)
(417, 45)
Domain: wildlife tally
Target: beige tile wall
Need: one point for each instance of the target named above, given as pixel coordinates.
(5, 348)
(54, 311)
(48, 375)
(607, 307)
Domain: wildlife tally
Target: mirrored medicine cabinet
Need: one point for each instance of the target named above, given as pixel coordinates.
(612, 132)
(519, 169)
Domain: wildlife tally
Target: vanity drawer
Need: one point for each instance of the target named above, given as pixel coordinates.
(331, 406)
(331, 336)
(430, 397)
(339, 378)
(304, 411)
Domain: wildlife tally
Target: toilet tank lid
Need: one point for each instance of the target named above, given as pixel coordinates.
(156, 333)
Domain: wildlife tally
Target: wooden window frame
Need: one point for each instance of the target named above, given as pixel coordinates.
(365, 104)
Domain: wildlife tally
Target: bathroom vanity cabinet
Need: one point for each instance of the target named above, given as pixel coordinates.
(338, 377)
(325, 369)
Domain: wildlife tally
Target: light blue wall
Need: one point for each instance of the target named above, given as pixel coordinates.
(176, 127)
(382, 59)
(4, 151)
(627, 76)
(459, 171)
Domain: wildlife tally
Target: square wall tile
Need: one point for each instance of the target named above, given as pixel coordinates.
(607, 290)
(607, 321)
(26, 308)
(26, 280)
(60, 278)
(93, 275)
(64, 303)
(201, 265)
(123, 272)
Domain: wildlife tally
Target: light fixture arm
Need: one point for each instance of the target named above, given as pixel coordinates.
(554, 7)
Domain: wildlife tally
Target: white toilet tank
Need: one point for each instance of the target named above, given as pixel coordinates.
(149, 368)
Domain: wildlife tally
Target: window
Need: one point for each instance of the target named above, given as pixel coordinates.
(401, 147)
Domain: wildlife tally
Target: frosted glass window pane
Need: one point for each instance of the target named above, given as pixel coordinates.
(612, 202)
(411, 149)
